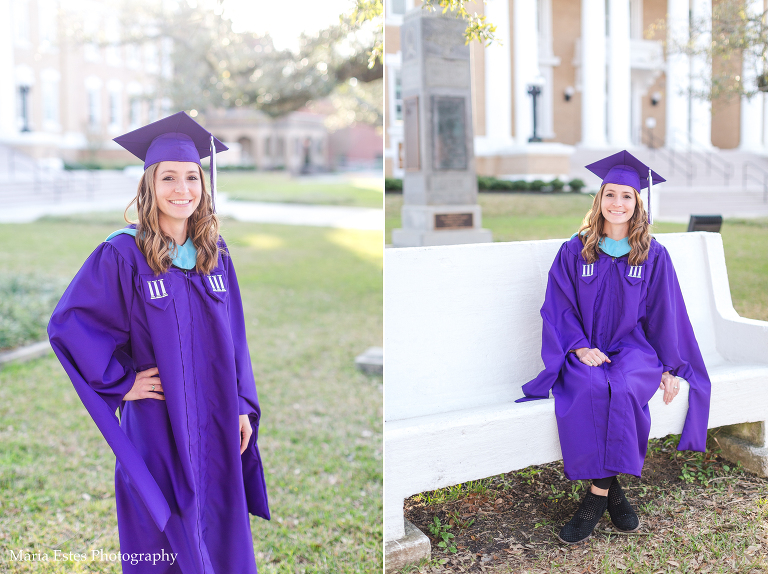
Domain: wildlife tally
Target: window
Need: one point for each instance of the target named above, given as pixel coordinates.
(47, 16)
(167, 62)
(152, 111)
(132, 56)
(151, 63)
(114, 110)
(50, 90)
(397, 6)
(112, 54)
(398, 99)
(91, 50)
(94, 108)
(22, 108)
(268, 146)
(112, 51)
(135, 113)
(21, 22)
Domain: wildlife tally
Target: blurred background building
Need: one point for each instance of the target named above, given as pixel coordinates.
(66, 95)
(602, 82)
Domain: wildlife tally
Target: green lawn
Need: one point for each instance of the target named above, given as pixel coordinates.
(313, 299)
(349, 189)
(521, 216)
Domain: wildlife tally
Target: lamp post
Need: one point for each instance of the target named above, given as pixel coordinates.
(534, 90)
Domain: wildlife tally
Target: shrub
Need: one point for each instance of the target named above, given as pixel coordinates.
(520, 185)
(537, 185)
(486, 183)
(557, 184)
(393, 184)
(504, 185)
(576, 185)
(96, 165)
(26, 304)
(235, 168)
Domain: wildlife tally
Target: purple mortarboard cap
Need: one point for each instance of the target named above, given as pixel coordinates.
(175, 138)
(625, 169)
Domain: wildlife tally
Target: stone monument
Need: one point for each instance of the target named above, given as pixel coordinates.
(440, 185)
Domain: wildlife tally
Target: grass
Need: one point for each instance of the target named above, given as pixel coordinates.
(313, 299)
(26, 302)
(348, 189)
(520, 216)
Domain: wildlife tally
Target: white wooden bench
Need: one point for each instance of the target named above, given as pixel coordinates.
(462, 334)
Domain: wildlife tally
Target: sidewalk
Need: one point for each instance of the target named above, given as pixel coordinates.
(676, 205)
(259, 212)
(297, 214)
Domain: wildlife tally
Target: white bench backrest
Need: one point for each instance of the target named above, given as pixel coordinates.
(462, 327)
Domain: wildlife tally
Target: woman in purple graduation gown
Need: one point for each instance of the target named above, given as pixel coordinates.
(615, 329)
(153, 325)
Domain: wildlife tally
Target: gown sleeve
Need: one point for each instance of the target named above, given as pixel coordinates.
(248, 401)
(246, 383)
(562, 325)
(669, 331)
(90, 333)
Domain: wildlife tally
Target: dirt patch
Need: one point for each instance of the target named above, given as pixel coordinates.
(509, 522)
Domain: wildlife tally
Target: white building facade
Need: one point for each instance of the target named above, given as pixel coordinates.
(63, 98)
(603, 83)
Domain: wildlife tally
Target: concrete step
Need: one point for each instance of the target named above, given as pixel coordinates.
(702, 175)
(62, 186)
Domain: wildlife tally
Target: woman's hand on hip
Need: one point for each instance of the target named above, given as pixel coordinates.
(146, 386)
(245, 432)
(591, 357)
(670, 385)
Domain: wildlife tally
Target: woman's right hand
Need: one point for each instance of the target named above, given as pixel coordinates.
(142, 387)
(591, 357)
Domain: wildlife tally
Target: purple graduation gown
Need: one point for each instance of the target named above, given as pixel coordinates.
(637, 317)
(181, 484)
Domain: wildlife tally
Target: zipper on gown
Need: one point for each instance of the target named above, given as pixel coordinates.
(199, 485)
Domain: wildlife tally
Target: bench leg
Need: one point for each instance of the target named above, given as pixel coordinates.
(409, 549)
(746, 443)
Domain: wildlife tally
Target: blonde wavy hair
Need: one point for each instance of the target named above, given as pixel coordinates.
(158, 247)
(639, 231)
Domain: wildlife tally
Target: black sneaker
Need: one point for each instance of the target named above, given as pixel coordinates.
(582, 524)
(622, 514)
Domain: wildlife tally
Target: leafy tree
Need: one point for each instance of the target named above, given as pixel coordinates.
(478, 28)
(735, 40)
(216, 67)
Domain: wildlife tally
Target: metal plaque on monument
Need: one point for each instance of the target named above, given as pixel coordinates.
(440, 185)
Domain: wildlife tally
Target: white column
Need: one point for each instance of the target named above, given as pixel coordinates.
(677, 76)
(765, 123)
(8, 85)
(701, 73)
(751, 109)
(547, 61)
(751, 124)
(636, 19)
(593, 73)
(526, 38)
(498, 79)
(619, 74)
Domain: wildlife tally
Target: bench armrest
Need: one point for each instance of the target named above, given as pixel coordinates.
(739, 339)
(743, 340)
